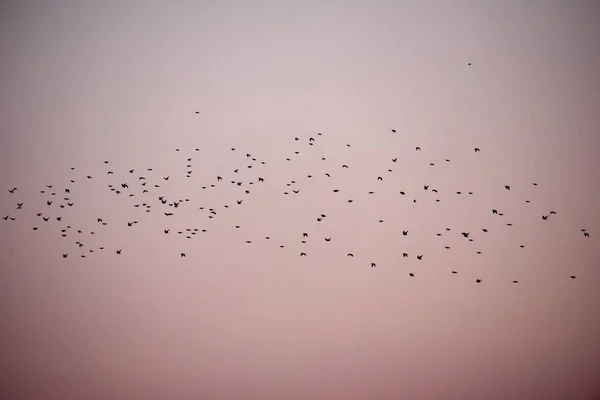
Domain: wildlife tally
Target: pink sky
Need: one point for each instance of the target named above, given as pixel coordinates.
(81, 83)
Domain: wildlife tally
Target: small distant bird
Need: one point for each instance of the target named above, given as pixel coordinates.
(394, 159)
(420, 257)
(373, 265)
(478, 281)
(405, 233)
(411, 274)
(544, 217)
(393, 131)
(426, 187)
(515, 281)
(573, 277)
(465, 234)
(302, 254)
(507, 187)
(585, 234)
(350, 255)
(454, 272)
(477, 149)
(182, 254)
(404, 255)
(417, 148)
(327, 239)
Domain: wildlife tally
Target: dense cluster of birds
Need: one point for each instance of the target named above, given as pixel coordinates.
(143, 188)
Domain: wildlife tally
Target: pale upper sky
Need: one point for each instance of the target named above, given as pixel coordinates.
(85, 82)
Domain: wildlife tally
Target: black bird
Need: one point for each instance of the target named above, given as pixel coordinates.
(404, 255)
(373, 265)
(515, 281)
(12, 190)
(544, 217)
(327, 239)
(426, 187)
(494, 211)
(5, 218)
(478, 280)
(403, 194)
(305, 235)
(420, 257)
(166, 178)
(411, 274)
(394, 159)
(573, 277)
(46, 218)
(302, 254)
(454, 272)
(118, 251)
(239, 201)
(405, 233)
(296, 191)
(585, 234)
(65, 255)
(168, 214)
(507, 187)
(379, 178)
(552, 212)
(350, 255)
(477, 149)
(393, 131)
(182, 254)
(344, 166)
(465, 234)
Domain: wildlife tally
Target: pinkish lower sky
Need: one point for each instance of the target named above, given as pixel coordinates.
(85, 82)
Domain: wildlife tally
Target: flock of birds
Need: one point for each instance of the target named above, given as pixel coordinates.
(147, 192)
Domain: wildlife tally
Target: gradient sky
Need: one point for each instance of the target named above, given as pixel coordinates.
(83, 82)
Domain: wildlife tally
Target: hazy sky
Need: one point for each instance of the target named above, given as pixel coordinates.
(83, 82)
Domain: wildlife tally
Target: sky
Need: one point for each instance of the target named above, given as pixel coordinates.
(129, 82)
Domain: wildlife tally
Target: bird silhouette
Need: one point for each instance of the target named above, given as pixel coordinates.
(420, 257)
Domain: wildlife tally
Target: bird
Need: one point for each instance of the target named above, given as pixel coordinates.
(420, 257)
(507, 187)
(405, 233)
(544, 217)
(411, 274)
(585, 234)
(65, 255)
(12, 190)
(573, 277)
(465, 234)
(477, 149)
(394, 159)
(404, 255)
(393, 131)
(302, 254)
(327, 239)
(478, 280)
(119, 251)
(182, 254)
(373, 265)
